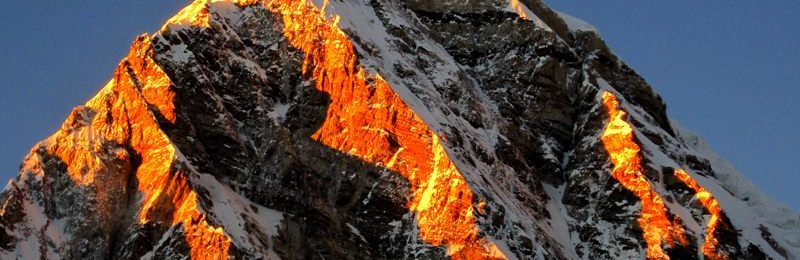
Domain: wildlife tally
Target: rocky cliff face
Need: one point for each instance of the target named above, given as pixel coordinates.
(380, 130)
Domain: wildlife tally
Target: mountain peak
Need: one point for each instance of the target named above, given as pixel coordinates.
(380, 129)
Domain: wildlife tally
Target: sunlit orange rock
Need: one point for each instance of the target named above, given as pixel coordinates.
(520, 9)
(710, 203)
(625, 155)
(126, 112)
(366, 119)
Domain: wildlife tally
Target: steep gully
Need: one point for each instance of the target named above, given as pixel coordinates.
(618, 140)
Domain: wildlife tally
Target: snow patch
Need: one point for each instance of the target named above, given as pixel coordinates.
(355, 231)
(576, 24)
(740, 198)
(522, 10)
(278, 113)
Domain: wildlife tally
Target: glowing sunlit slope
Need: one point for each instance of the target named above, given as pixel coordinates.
(368, 120)
(625, 155)
(124, 112)
(710, 203)
(520, 8)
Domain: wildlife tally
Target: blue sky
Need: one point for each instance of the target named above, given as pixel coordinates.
(55, 55)
(727, 71)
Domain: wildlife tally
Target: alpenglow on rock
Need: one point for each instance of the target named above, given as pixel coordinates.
(401, 129)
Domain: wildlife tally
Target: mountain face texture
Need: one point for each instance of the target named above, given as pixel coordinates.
(366, 129)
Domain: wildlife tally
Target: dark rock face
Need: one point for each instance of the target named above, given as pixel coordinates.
(202, 145)
(272, 160)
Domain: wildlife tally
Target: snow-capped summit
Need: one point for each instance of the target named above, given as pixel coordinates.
(295, 129)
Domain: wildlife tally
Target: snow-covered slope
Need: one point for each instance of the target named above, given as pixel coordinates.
(381, 130)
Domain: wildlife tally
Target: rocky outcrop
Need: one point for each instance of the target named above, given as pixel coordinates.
(380, 130)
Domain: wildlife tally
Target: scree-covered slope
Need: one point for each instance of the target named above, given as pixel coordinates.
(365, 129)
